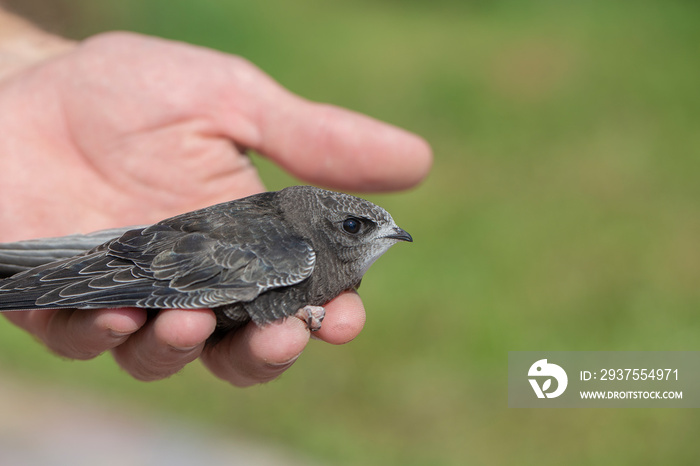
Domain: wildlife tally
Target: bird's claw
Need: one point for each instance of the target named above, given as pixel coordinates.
(312, 315)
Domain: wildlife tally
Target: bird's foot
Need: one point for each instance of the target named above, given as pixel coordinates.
(312, 315)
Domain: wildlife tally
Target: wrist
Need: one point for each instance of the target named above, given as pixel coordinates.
(22, 44)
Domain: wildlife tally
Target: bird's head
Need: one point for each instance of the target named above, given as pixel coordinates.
(355, 231)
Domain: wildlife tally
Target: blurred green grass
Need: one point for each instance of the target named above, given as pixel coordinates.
(562, 214)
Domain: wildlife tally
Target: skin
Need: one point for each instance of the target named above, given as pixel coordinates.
(123, 129)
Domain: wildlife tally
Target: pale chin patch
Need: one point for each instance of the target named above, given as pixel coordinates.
(376, 253)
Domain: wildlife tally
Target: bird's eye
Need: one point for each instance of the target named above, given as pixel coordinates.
(352, 225)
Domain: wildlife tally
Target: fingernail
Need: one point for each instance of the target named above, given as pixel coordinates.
(184, 349)
(115, 334)
(284, 364)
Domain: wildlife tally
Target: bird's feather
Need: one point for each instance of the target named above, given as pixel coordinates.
(169, 266)
(23, 255)
(263, 257)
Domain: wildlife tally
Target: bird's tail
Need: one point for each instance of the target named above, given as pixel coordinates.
(23, 255)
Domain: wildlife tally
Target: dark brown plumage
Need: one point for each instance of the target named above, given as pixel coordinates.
(264, 257)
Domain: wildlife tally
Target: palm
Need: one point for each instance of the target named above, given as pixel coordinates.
(128, 145)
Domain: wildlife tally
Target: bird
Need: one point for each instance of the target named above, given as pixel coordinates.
(261, 258)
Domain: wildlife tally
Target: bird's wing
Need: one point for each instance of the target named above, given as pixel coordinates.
(210, 268)
(19, 256)
(187, 262)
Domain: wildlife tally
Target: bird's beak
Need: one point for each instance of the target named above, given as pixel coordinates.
(400, 234)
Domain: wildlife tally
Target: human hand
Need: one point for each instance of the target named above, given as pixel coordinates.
(126, 129)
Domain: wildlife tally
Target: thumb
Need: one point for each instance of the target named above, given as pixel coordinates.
(327, 145)
(319, 143)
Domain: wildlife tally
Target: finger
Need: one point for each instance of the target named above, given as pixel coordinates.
(174, 338)
(257, 354)
(345, 318)
(319, 143)
(260, 354)
(80, 334)
(327, 145)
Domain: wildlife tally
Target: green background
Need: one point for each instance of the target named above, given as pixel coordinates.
(562, 213)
